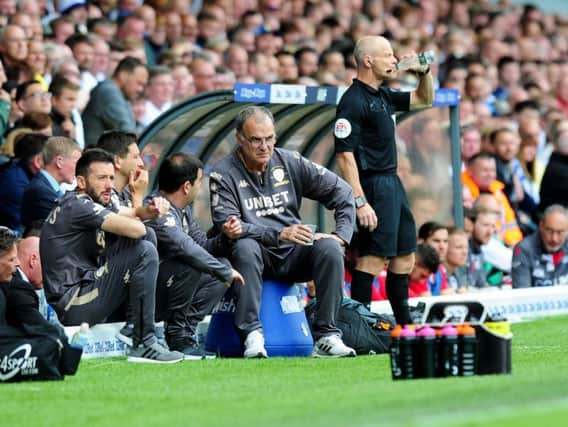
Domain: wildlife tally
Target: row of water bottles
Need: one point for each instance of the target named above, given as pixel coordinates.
(427, 352)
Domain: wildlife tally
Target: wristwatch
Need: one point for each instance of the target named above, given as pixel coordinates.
(423, 73)
(360, 201)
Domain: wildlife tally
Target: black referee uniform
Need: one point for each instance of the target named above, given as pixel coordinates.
(365, 125)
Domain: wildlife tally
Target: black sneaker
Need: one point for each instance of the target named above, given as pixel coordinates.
(125, 334)
(190, 349)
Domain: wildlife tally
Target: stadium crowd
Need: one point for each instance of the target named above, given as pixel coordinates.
(75, 74)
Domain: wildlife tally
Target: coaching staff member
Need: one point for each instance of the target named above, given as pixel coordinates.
(366, 155)
(263, 187)
(86, 276)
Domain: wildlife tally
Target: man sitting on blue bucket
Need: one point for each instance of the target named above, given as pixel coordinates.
(263, 186)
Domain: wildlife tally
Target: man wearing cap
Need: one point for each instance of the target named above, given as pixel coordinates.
(77, 11)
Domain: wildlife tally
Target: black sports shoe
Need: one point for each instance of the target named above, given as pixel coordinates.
(190, 349)
(125, 334)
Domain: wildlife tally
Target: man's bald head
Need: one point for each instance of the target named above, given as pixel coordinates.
(370, 45)
(30, 264)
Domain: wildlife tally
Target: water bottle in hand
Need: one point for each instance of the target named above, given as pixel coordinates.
(413, 62)
(80, 338)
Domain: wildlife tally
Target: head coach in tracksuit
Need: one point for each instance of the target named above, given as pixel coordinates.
(263, 186)
(366, 156)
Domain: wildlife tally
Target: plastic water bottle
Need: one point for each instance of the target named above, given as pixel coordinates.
(448, 361)
(407, 343)
(425, 360)
(423, 58)
(80, 339)
(467, 350)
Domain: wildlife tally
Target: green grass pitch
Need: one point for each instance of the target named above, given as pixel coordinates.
(302, 392)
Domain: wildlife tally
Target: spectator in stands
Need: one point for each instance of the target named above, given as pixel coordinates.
(481, 176)
(8, 265)
(81, 285)
(307, 60)
(533, 135)
(478, 90)
(203, 72)
(29, 261)
(5, 104)
(332, 60)
(15, 177)
(159, 93)
(426, 149)
(132, 27)
(541, 259)
(13, 51)
(457, 267)
(29, 270)
(520, 189)
(32, 97)
(104, 28)
(555, 179)
(254, 184)
(36, 121)
(68, 67)
(259, 68)
(101, 62)
(509, 74)
(426, 263)
(37, 61)
(193, 279)
(59, 157)
(495, 252)
(455, 78)
(224, 78)
(76, 10)
(108, 107)
(435, 235)
(63, 101)
(484, 226)
(184, 86)
(84, 53)
(62, 28)
(236, 58)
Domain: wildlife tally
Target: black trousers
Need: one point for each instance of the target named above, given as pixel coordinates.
(184, 296)
(322, 262)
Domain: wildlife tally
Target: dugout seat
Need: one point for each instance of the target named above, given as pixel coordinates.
(286, 329)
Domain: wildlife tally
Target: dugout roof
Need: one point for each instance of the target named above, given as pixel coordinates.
(204, 126)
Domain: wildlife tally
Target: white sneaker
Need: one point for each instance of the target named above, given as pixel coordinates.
(254, 345)
(332, 346)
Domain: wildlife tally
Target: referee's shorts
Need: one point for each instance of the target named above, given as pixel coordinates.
(396, 231)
